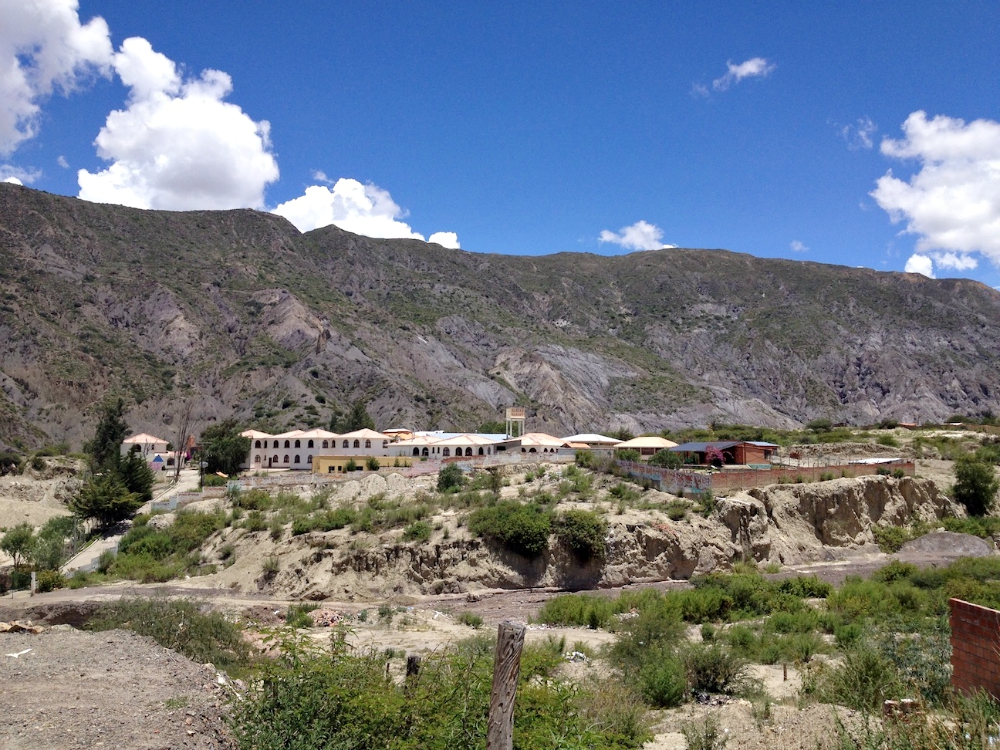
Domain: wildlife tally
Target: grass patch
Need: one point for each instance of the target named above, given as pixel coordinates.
(178, 624)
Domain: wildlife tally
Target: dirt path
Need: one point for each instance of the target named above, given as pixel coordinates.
(112, 690)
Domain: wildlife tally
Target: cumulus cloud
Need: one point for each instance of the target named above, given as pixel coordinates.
(44, 48)
(756, 67)
(861, 135)
(798, 246)
(952, 203)
(363, 209)
(445, 239)
(639, 236)
(61, 161)
(17, 175)
(955, 261)
(922, 264)
(177, 145)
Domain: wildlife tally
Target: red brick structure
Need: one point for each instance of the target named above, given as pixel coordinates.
(975, 648)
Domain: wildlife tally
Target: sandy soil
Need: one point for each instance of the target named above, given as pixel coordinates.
(113, 690)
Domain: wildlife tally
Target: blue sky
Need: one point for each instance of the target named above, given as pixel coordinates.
(532, 127)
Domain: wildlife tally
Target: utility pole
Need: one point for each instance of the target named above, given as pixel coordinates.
(506, 668)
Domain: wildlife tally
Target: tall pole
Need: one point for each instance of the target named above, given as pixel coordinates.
(506, 668)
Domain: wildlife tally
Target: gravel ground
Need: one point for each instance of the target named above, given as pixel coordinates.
(114, 689)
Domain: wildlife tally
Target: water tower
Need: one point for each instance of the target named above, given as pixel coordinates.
(515, 421)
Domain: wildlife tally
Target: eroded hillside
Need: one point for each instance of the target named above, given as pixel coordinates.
(239, 313)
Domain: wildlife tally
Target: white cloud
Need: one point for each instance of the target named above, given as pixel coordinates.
(320, 176)
(955, 261)
(363, 209)
(639, 236)
(177, 145)
(43, 48)
(798, 246)
(861, 135)
(921, 264)
(445, 239)
(699, 90)
(61, 161)
(17, 175)
(952, 203)
(756, 67)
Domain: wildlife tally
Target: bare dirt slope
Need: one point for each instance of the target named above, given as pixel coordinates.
(114, 690)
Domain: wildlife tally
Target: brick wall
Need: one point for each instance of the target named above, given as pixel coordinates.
(975, 647)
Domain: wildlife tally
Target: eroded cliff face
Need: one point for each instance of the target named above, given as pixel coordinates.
(241, 315)
(785, 524)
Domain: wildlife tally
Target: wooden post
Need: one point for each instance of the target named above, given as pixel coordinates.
(506, 667)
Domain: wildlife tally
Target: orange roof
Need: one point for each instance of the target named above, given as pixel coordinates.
(143, 438)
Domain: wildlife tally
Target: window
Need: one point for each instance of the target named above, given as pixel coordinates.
(368, 444)
(309, 460)
(257, 444)
(447, 452)
(385, 443)
(256, 459)
(468, 451)
(345, 443)
(423, 452)
(480, 451)
(310, 444)
(286, 459)
(275, 443)
(357, 443)
(298, 443)
(326, 443)
(297, 459)
(288, 443)
(416, 451)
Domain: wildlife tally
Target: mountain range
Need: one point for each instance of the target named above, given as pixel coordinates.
(237, 313)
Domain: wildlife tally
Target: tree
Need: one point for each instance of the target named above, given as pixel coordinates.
(450, 477)
(820, 425)
(492, 428)
(112, 429)
(105, 499)
(976, 485)
(628, 454)
(667, 459)
(359, 419)
(223, 448)
(17, 543)
(136, 475)
(714, 457)
(10, 463)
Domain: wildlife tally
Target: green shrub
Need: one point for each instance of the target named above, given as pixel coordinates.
(517, 527)
(704, 735)
(624, 492)
(419, 531)
(372, 463)
(344, 700)
(714, 668)
(474, 621)
(48, 580)
(178, 624)
(583, 532)
(582, 610)
(662, 680)
(894, 571)
(214, 480)
(983, 526)
(976, 485)
(887, 440)
(450, 478)
(677, 510)
(255, 521)
(806, 587)
(890, 538)
(298, 617)
(628, 455)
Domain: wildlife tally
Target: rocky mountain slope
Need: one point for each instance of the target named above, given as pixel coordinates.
(236, 312)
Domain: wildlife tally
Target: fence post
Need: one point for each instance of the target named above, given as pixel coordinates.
(506, 667)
